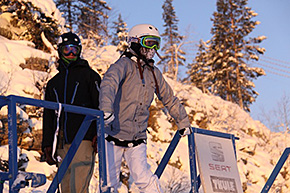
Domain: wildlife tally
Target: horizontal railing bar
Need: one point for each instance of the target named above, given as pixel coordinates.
(55, 106)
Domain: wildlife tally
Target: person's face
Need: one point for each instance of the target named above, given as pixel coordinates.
(70, 56)
(147, 52)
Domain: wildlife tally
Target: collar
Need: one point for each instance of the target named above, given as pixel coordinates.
(135, 57)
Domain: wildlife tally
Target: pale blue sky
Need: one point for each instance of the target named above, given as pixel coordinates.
(195, 15)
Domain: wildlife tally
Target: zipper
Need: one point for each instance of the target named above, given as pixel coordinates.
(75, 92)
(65, 113)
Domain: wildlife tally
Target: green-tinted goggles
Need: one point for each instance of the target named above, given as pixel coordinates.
(150, 42)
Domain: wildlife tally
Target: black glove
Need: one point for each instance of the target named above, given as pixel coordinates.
(48, 156)
(95, 143)
(185, 131)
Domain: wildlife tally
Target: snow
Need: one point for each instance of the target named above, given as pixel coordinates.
(49, 8)
(21, 80)
(222, 116)
(258, 148)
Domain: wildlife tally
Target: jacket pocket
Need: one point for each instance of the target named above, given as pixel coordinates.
(56, 95)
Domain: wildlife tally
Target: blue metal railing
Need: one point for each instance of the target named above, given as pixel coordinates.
(276, 170)
(91, 115)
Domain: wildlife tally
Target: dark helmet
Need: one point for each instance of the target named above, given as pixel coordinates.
(69, 38)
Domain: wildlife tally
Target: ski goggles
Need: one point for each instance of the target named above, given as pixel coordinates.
(150, 42)
(70, 49)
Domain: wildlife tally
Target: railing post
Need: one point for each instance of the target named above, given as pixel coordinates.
(102, 157)
(167, 154)
(12, 141)
(192, 163)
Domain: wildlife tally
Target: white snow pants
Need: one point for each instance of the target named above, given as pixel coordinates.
(136, 158)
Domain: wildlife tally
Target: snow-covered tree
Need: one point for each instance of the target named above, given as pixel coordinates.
(120, 32)
(228, 52)
(86, 17)
(25, 21)
(93, 20)
(173, 54)
(199, 72)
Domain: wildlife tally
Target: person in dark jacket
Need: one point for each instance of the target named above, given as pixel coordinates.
(75, 84)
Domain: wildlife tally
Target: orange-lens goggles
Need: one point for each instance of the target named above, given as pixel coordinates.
(70, 49)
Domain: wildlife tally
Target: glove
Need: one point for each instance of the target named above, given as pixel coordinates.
(95, 143)
(48, 156)
(108, 118)
(185, 131)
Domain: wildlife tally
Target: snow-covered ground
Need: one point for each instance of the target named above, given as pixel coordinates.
(258, 149)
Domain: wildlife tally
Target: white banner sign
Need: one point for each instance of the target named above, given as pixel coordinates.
(217, 164)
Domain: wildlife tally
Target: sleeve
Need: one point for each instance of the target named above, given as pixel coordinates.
(110, 84)
(171, 102)
(48, 127)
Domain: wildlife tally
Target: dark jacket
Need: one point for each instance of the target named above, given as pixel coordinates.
(76, 84)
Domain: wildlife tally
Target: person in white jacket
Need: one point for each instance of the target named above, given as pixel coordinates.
(126, 93)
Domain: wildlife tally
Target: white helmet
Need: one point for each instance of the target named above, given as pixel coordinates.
(140, 30)
(144, 35)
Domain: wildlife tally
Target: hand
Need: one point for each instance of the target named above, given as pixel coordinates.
(185, 131)
(48, 156)
(108, 118)
(95, 143)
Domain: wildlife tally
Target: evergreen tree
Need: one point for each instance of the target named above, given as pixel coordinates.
(30, 23)
(199, 72)
(120, 33)
(88, 18)
(69, 10)
(228, 52)
(173, 55)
